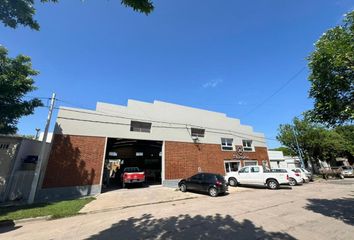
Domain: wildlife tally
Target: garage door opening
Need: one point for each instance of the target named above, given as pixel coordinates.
(127, 153)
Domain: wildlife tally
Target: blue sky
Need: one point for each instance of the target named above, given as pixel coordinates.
(225, 56)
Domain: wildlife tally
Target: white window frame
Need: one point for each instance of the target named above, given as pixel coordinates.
(248, 149)
(247, 161)
(223, 146)
(232, 161)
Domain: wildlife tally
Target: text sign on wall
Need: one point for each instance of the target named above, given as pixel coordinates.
(239, 154)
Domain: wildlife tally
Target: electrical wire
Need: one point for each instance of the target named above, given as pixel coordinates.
(276, 91)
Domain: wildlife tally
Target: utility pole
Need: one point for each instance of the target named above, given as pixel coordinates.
(37, 133)
(298, 148)
(41, 156)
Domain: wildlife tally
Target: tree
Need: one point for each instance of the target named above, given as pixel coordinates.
(15, 82)
(316, 142)
(332, 75)
(21, 12)
(347, 133)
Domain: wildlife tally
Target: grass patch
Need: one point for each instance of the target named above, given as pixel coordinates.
(56, 209)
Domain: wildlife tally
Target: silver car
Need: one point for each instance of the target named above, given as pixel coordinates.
(347, 171)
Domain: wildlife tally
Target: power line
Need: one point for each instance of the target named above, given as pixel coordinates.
(277, 91)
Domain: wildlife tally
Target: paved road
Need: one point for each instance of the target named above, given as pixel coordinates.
(313, 211)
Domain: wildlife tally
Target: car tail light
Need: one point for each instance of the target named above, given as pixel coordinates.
(218, 183)
(287, 177)
(297, 174)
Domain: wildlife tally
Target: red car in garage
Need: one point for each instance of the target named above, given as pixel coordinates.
(132, 175)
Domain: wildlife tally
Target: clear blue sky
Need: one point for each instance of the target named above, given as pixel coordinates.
(225, 56)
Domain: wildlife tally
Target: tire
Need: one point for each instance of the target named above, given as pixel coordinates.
(292, 182)
(272, 184)
(183, 187)
(213, 192)
(233, 182)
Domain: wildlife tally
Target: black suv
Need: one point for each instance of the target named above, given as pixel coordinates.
(211, 183)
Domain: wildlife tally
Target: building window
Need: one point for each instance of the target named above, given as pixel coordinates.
(231, 166)
(247, 145)
(4, 146)
(136, 126)
(226, 144)
(198, 132)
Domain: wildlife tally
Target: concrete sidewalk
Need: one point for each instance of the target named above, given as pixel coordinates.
(124, 198)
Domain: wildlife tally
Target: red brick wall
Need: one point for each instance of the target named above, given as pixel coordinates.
(183, 159)
(74, 161)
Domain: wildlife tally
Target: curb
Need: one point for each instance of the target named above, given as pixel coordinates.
(9, 223)
(36, 219)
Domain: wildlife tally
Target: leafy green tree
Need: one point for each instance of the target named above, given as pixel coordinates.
(332, 75)
(21, 12)
(347, 133)
(316, 142)
(15, 82)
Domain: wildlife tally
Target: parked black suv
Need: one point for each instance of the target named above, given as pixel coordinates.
(211, 183)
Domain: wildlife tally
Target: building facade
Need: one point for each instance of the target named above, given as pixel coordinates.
(168, 141)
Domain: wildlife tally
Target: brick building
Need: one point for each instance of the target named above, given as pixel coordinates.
(170, 142)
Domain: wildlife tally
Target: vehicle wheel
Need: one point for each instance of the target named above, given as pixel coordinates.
(272, 184)
(183, 187)
(232, 182)
(341, 176)
(292, 182)
(213, 192)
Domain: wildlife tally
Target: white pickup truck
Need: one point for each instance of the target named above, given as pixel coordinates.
(257, 175)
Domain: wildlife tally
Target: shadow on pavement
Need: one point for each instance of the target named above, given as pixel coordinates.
(187, 227)
(341, 208)
(7, 226)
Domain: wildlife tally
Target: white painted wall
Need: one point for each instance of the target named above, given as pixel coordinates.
(7, 160)
(275, 155)
(170, 122)
(17, 181)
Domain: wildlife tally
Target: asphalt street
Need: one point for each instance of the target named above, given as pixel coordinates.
(320, 210)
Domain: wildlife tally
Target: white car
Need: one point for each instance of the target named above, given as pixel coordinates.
(294, 177)
(256, 175)
(302, 174)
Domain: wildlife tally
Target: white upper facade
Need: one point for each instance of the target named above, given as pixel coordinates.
(276, 155)
(169, 122)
